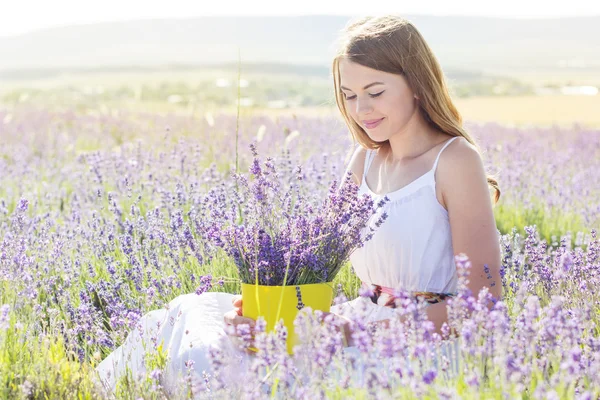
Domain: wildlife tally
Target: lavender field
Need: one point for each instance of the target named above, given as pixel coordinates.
(104, 217)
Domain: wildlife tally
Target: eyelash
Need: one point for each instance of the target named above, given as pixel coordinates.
(372, 95)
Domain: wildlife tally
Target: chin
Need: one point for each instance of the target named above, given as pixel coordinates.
(378, 138)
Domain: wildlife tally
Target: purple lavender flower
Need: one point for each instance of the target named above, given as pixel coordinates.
(4, 310)
(429, 377)
(205, 284)
(23, 204)
(286, 235)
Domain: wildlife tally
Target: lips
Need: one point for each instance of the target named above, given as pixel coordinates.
(372, 123)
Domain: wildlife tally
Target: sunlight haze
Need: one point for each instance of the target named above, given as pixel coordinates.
(26, 16)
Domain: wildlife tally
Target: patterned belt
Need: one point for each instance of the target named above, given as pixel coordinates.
(429, 297)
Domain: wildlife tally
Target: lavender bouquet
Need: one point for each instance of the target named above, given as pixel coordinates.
(279, 236)
(287, 245)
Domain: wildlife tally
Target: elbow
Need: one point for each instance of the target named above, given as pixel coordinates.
(494, 288)
(496, 292)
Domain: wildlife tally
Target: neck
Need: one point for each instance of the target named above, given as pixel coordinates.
(416, 138)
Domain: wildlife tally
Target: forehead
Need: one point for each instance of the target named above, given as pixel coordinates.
(353, 72)
(355, 76)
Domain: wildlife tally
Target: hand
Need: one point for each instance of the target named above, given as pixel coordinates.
(235, 317)
(342, 325)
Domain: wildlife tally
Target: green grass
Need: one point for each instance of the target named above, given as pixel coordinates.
(550, 225)
(40, 367)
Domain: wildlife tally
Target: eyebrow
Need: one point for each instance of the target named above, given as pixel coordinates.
(366, 87)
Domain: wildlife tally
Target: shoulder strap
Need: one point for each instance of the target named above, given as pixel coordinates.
(440, 153)
(368, 160)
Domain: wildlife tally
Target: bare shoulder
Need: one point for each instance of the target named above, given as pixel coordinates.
(460, 151)
(460, 168)
(357, 163)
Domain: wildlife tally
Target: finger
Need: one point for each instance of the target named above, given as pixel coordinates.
(231, 331)
(243, 320)
(228, 317)
(237, 302)
(236, 298)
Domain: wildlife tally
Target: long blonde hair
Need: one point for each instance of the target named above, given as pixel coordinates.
(393, 44)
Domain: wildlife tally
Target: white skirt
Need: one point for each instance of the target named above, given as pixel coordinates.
(189, 325)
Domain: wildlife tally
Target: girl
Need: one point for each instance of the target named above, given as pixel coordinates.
(412, 148)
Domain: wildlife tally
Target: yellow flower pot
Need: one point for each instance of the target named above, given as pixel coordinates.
(261, 300)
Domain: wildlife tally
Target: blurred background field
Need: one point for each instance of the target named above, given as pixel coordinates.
(282, 93)
(513, 71)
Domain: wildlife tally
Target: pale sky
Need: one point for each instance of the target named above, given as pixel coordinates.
(21, 16)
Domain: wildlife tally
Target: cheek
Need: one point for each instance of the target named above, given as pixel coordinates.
(400, 108)
(351, 110)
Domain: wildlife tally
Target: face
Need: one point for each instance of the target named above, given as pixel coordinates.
(371, 95)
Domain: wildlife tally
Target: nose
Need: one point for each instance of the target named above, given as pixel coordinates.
(363, 106)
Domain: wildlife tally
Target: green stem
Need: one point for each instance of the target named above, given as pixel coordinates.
(237, 130)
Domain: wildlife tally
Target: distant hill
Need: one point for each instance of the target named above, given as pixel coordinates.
(463, 43)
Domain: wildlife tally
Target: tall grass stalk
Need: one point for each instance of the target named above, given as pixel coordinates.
(237, 128)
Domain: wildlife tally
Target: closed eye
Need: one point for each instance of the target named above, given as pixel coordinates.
(372, 95)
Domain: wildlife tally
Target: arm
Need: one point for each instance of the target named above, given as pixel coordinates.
(473, 227)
